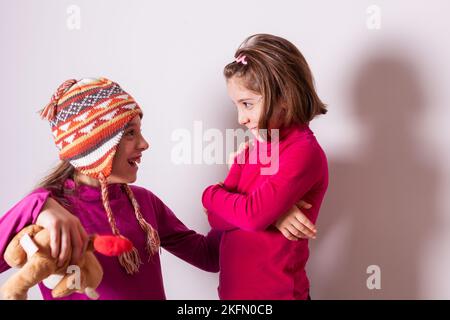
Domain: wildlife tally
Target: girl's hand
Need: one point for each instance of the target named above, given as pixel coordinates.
(67, 235)
(295, 225)
(220, 183)
(233, 155)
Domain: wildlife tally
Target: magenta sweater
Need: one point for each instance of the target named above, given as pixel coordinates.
(256, 260)
(176, 238)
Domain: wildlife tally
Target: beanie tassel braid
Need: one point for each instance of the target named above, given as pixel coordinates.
(153, 242)
(129, 260)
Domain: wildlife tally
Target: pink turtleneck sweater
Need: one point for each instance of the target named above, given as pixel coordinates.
(176, 238)
(256, 260)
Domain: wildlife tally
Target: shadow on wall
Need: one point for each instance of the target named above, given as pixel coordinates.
(380, 206)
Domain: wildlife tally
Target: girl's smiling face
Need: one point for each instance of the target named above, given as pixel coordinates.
(248, 103)
(128, 154)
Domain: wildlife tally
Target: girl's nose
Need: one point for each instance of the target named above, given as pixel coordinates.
(143, 144)
(242, 118)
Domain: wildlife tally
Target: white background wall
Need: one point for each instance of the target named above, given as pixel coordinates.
(386, 134)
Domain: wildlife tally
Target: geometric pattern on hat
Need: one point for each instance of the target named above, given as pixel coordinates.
(88, 118)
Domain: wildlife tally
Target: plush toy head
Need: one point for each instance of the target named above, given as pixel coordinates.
(30, 250)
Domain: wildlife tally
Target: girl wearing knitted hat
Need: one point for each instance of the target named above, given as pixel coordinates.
(272, 87)
(96, 126)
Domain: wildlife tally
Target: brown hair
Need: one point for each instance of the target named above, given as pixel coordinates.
(54, 181)
(277, 70)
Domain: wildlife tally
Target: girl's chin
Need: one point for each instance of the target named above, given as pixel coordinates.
(256, 134)
(130, 178)
(123, 174)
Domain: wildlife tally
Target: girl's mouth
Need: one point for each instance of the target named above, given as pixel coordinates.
(133, 162)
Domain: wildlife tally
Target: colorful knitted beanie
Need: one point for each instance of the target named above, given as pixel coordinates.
(88, 118)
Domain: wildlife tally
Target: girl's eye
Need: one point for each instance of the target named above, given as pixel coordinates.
(130, 133)
(247, 105)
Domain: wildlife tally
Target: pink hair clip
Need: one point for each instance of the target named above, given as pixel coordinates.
(241, 59)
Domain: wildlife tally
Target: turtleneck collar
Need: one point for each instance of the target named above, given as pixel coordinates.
(91, 193)
(284, 133)
(295, 128)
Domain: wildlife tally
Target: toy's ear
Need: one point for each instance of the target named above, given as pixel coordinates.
(112, 245)
(15, 256)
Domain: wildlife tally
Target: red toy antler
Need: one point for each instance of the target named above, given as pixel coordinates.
(112, 245)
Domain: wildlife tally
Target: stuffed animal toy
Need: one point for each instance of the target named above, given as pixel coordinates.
(30, 250)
